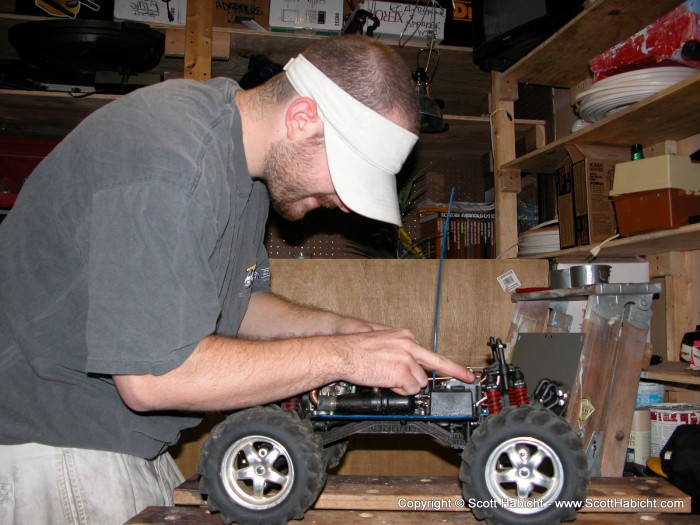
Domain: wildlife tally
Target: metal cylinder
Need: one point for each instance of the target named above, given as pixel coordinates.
(560, 279)
(373, 402)
(586, 274)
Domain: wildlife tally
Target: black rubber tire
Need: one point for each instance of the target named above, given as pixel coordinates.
(286, 486)
(333, 454)
(526, 430)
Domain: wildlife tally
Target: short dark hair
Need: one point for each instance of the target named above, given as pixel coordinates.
(365, 68)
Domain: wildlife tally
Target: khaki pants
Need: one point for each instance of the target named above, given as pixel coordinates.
(56, 486)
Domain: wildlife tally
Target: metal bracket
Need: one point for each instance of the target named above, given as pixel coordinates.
(558, 317)
(631, 303)
(592, 453)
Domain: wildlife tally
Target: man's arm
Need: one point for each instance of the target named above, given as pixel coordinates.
(229, 373)
(272, 316)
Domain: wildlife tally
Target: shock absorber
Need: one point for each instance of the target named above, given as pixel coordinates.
(517, 392)
(293, 404)
(494, 400)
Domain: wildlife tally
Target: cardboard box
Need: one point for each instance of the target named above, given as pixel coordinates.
(411, 22)
(250, 14)
(172, 13)
(238, 14)
(318, 16)
(459, 23)
(86, 10)
(586, 213)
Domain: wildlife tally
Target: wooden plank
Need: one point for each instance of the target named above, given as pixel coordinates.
(672, 372)
(198, 44)
(45, 114)
(602, 25)
(685, 238)
(588, 394)
(383, 493)
(402, 293)
(628, 352)
(503, 138)
(664, 117)
(175, 43)
(200, 516)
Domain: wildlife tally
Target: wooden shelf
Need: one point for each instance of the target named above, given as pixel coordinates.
(562, 61)
(672, 372)
(685, 238)
(45, 114)
(664, 116)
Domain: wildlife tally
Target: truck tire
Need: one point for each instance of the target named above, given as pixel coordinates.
(262, 466)
(333, 454)
(518, 463)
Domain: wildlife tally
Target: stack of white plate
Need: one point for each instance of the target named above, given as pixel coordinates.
(540, 239)
(615, 93)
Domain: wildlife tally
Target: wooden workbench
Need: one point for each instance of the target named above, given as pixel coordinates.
(350, 500)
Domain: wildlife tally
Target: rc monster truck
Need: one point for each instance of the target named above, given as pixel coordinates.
(267, 465)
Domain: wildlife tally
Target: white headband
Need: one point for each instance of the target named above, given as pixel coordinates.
(365, 150)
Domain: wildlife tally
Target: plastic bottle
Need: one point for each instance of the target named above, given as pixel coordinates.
(637, 152)
(691, 344)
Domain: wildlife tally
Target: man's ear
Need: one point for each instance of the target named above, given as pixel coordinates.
(302, 119)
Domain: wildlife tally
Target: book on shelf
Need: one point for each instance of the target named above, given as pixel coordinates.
(470, 234)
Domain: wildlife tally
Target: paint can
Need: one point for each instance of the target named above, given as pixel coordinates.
(639, 445)
(665, 417)
(649, 393)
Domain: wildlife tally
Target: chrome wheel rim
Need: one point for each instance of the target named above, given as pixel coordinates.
(524, 475)
(257, 472)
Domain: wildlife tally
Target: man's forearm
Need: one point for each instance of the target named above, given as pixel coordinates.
(272, 316)
(227, 373)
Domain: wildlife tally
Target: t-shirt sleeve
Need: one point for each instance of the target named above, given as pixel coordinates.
(151, 293)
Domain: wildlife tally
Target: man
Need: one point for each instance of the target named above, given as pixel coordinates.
(136, 286)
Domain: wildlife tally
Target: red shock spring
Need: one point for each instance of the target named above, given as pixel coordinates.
(517, 395)
(293, 404)
(494, 403)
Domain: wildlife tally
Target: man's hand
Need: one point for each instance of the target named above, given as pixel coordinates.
(392, 358)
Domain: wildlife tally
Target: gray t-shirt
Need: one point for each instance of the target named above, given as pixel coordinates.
(140, 234)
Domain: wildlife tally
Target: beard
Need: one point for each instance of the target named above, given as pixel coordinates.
(288, 175)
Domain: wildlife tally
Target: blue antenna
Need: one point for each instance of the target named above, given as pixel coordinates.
(445, 231)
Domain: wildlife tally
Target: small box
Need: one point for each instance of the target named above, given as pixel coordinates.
(171, 13)
(407, 21)
(319, 16)
(250, 14)
(655, 173)
(662, 209)
(241, 14)
(586, 214)
(660, 42)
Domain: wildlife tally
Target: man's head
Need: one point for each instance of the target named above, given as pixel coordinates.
(351, 120)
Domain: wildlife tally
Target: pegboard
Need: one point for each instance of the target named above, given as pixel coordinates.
(328, 234)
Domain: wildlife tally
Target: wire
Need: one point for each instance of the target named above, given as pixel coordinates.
(445, 230)
(593, 252)
(510, 117)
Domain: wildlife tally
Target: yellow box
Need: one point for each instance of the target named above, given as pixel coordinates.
(656, 173)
